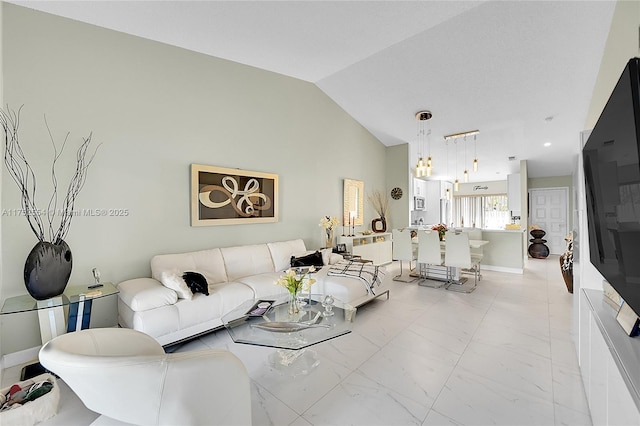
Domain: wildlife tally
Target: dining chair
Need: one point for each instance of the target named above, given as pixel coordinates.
(457, 254)
(477, 254)
(402, 251)
(429, 254)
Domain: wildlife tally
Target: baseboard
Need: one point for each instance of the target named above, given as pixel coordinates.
(20, 357)
(502, 269)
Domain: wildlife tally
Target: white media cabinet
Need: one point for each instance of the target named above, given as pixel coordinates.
(376, 247)
(610, 363)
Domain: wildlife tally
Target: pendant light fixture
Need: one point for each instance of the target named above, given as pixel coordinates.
(447, 191)
(428, 165)
(455, 137)
(456, 183)
(423, 168)
(475, 154)
(465, 174)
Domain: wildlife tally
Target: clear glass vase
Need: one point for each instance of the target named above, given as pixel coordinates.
(329, 236)
(294, 304)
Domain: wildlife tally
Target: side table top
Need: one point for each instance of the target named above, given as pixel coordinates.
(72, 294)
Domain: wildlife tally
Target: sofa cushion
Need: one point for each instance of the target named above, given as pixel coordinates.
(282, 251)
(243, 261)
(142, 294)
(176, 283)
(315, 259)
(207, 262)
(264, 285)
(197, 282)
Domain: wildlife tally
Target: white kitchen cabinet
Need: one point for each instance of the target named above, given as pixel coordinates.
(419, 188)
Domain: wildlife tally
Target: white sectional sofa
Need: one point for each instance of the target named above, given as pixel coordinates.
(234, 275)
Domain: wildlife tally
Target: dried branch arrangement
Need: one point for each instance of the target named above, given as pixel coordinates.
(380, 202)
(25, 178)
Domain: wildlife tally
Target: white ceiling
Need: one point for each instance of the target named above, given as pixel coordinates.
(501, 67)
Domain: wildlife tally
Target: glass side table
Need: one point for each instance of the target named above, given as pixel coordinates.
(51, 316)
(51, 311)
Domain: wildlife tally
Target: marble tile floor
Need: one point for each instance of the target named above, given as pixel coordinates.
(502, 355)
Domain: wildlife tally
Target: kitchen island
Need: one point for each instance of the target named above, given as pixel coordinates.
(505, 251)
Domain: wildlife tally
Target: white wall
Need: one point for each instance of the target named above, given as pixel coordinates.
(156, 109)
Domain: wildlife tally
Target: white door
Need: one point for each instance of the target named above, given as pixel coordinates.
(548, 211)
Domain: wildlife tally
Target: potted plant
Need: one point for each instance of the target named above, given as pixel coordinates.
(442, 229)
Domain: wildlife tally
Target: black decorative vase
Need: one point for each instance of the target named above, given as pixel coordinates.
(379, 225)
(47, 269)
(538, 249)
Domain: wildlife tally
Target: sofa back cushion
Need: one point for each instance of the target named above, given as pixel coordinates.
(243, 261)
(207, 262)
(282, 251)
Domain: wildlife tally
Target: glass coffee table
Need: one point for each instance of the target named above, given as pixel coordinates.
(291, 334)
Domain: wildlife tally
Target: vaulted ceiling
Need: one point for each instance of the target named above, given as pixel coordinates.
(522, 72)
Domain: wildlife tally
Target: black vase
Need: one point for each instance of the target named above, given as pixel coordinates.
(538, 249)
(47, 269)
(379, 225)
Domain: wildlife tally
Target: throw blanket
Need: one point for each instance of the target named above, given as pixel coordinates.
(370, 275)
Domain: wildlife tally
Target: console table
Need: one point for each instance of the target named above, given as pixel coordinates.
(51, 311)
(377, 246)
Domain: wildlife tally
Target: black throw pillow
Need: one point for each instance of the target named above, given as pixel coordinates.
(196, 282)
(314, 259)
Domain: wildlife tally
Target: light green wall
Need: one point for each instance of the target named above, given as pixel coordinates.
(398, 175)
(1, 175)
(622, 45)
(156, 109)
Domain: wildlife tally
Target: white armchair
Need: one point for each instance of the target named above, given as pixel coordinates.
(126, 375)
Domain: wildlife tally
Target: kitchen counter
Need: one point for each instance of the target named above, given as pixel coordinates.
(505, 251)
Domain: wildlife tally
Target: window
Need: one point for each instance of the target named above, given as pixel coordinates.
(488, 211)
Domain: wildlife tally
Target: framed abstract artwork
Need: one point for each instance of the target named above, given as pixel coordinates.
(224, 196)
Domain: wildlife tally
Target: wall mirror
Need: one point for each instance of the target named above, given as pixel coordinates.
(353, 211)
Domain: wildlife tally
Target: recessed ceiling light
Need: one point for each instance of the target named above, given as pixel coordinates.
(547, 144)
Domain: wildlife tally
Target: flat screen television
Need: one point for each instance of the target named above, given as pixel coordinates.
(612, 184)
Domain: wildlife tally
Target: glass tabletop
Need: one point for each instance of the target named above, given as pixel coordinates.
(277, 328)
(72, 294)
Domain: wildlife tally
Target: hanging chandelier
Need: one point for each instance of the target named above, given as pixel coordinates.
(423, 168)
